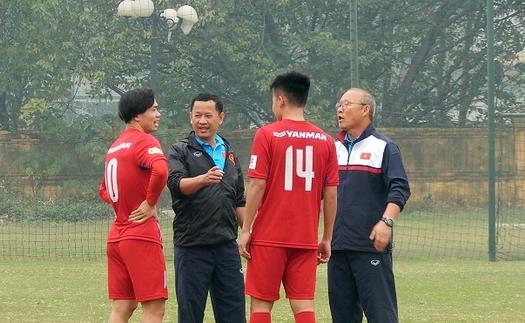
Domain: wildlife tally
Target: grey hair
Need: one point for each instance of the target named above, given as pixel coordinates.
(367, 99)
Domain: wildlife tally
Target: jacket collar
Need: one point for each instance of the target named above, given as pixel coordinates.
(192, 141)
(366, 133)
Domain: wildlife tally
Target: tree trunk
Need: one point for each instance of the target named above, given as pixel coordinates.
(4, 116)
(436, 27)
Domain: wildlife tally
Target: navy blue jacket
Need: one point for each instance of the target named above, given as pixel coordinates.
(371, 175)
(206, 217)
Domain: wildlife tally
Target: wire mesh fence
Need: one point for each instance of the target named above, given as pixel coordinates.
(81, 240)
(426, 63)
(446, 217)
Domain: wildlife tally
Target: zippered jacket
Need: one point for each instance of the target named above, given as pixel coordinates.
(371, 175)
(206, 217)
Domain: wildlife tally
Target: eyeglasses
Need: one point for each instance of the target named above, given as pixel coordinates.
(345, 105)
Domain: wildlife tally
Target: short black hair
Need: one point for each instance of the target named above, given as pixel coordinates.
(208, 97)
(294, 85)
(134, 102)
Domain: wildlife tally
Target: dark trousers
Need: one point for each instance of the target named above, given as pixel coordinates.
(361, 282)
(216, 269)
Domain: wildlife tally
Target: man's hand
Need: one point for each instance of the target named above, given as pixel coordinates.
(212, 176)
(244, 244)
(143, 212)
(381, 234)
(324, 252)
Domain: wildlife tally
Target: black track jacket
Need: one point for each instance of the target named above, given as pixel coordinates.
(206, 217)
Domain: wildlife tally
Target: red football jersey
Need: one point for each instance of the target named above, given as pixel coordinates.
(297, 159)
(126, 178)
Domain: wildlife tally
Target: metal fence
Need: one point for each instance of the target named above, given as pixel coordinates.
(446, 217)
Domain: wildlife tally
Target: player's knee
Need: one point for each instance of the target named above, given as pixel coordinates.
(118, 317)
(155, 308)
(301, 305)
(122, 311)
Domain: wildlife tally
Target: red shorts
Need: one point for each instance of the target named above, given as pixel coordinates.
(136, 270)
(296, 268)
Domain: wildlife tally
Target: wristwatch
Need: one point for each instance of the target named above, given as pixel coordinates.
(388, 221)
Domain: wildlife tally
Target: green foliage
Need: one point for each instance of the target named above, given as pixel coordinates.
(78, 201)
(80, 190)
(425, 61)
(92, 137)
(38, 210)
(40, 166)
(72, 152)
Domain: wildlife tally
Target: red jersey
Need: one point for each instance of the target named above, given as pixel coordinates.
(126, 179)
(297, 159)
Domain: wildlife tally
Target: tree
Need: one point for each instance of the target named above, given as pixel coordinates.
(425, 61)
(42, 50)
(436, 58)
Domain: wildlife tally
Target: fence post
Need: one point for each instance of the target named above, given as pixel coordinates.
(491, 143)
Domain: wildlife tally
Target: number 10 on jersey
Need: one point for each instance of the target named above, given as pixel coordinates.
(304, 167)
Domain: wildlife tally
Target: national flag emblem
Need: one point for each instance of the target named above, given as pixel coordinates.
(231, 158)
(365, 156)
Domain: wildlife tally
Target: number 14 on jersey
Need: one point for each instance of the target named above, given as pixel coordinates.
(303, 167)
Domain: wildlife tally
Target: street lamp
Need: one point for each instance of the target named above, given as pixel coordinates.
(168, 19)
(354, 64)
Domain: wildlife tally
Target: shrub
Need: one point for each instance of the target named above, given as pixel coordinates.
(53, 211)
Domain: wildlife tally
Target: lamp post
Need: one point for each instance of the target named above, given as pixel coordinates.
(354, 64)
(168, 19)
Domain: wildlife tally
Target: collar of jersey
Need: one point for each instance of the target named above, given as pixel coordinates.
(218, 141)
(350, 142)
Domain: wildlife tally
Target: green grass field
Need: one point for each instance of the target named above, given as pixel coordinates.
(56, 272)
(428, 291)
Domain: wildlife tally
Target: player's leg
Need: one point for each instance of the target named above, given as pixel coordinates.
(303, 310)
(343, 297)
(153, 311)
(147, 269)
(260, 310)
(299, 283)
(120, 287)
(375, 282)
(227, 285)
(264, 272)
(193, 269)
(122, 310)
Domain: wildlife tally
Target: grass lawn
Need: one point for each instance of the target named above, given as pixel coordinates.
(428, 291)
